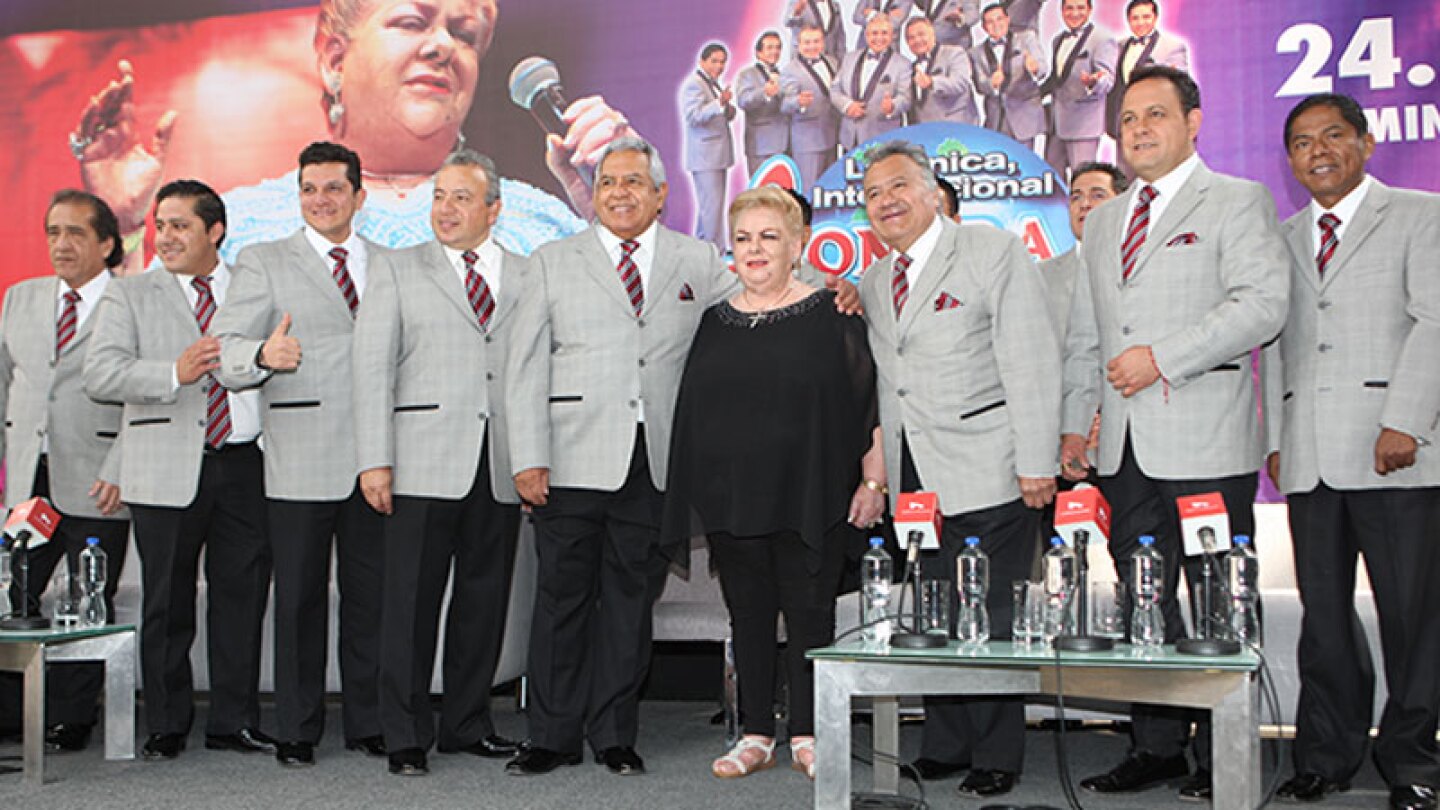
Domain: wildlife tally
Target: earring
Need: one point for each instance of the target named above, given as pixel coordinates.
(336, 110)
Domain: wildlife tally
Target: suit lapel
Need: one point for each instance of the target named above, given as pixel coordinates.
(663, 272)
(1302, 245)
(1367, 217)
(597, 262)
(1074, 53)
(313, 269)
(922, 292)
(437, 268)
(506, 300)
(168, 287)
(1189, 196)
(875, 76)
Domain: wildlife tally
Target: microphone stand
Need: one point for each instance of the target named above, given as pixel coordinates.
(24, 621)
(918, 639)
(1208, 643)
(1082, 641)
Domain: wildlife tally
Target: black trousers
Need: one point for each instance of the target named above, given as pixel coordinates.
(300, 545)
(600, 571)
(72, 690)
(762, 577)
(1141, 505)
(988, 733)
(227, 521)
(422, 538)
(1396, 530)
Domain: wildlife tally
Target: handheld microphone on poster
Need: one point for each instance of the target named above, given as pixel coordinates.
(1205, 530)
(917, 527)
(535, 86)
(29, 526)
(1082, 514)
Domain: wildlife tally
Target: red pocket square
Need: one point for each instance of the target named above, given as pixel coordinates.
(1188, 238)
(946, 301)
(687, 294)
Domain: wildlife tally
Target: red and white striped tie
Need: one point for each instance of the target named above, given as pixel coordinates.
(217, 405)
(1135, 234)
(341, 273)
(630, 275)
(900, 283)
(69, 319)
(1329, 242)
(478, 291)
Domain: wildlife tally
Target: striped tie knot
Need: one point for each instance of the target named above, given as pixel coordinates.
(900, 282)
(1329, 242)
(204, 302)
(339, 255)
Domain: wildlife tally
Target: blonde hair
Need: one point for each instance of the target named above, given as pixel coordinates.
(773, 198)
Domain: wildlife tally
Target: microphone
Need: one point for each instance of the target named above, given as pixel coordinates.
(918, 513)
(1082, 515)
(1205, 527)
(535, 86)
(31, 524)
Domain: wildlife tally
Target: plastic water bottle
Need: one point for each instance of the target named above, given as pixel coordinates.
(93, 612)
(877, 574)
(1147, 623)
(1242, 568)
(1059, 565)
(974, 577)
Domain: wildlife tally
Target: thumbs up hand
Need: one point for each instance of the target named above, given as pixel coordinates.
(281, 351)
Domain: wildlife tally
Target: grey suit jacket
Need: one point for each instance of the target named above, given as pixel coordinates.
(767, 127)
(1016, 103)
(1162, 50)
(815, 128)
(708, 142)
(952, 19)
(1059, 274)
(1079, 111)
(951, 97)
(41, 396)
(809, 17)
(1024, 14)
(142, 324)
(891, 77)
(1361, 349)
(581, 362)
(968, 371)
(429, 382)
(308, 415)
(1211, 283)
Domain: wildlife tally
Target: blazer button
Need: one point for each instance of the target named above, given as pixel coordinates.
(200, 422)
(901, 392)
(900, 351)
(489, 339)
(631, 403)
(1324, 304)
(483, 416)
(1324, 347)
(489, 375)
(1125, 330)
(641, 323)
(642, 362)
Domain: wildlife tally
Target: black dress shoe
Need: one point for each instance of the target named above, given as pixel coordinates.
(68, 736)
(295, 754)
(1412, 797)
(932, 769)
(408, 762)
(1198, 788)
(621, 761)
(981, 783)
(163, 746)
(535, 761)
(373, 745)
(246, 741)
(492, 746)
(1139, 771)
(1309, 787)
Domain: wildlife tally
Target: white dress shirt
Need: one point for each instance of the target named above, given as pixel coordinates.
(244, 405)
(920, 252)
(357, 263)
(1166, 187)
(90, 293)
(1344, 210)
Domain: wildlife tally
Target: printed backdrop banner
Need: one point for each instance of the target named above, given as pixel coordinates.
(244, 80)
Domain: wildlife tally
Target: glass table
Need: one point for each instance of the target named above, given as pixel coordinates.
(27, 652)
(1226, 685)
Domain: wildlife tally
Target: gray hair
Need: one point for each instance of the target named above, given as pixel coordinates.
(632, 143)
(465, 156)
(915, 154)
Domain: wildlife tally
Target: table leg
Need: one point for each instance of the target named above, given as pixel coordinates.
(832, 736)
(886, 730)
(120, 700)
(1236, 747)
(34, 716)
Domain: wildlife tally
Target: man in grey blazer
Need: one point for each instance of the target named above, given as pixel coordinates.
(191, 472)
(708, 109)
(941, 87)
(871, 90)
(288, 297)
(1145, 46)
(1082, 60)
(952, 19)
(969, 383)
(430, 352)
(595, 367)
(757, 90)
(805, 100)
(1351, 421)
(59, 444)
(1093, 184)
(1010, 70)
(1184, 276)
(821, 14)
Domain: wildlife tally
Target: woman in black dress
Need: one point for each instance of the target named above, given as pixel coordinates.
(776, 458)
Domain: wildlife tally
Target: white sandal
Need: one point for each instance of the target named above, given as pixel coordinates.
(736, 758)
(800, 746)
